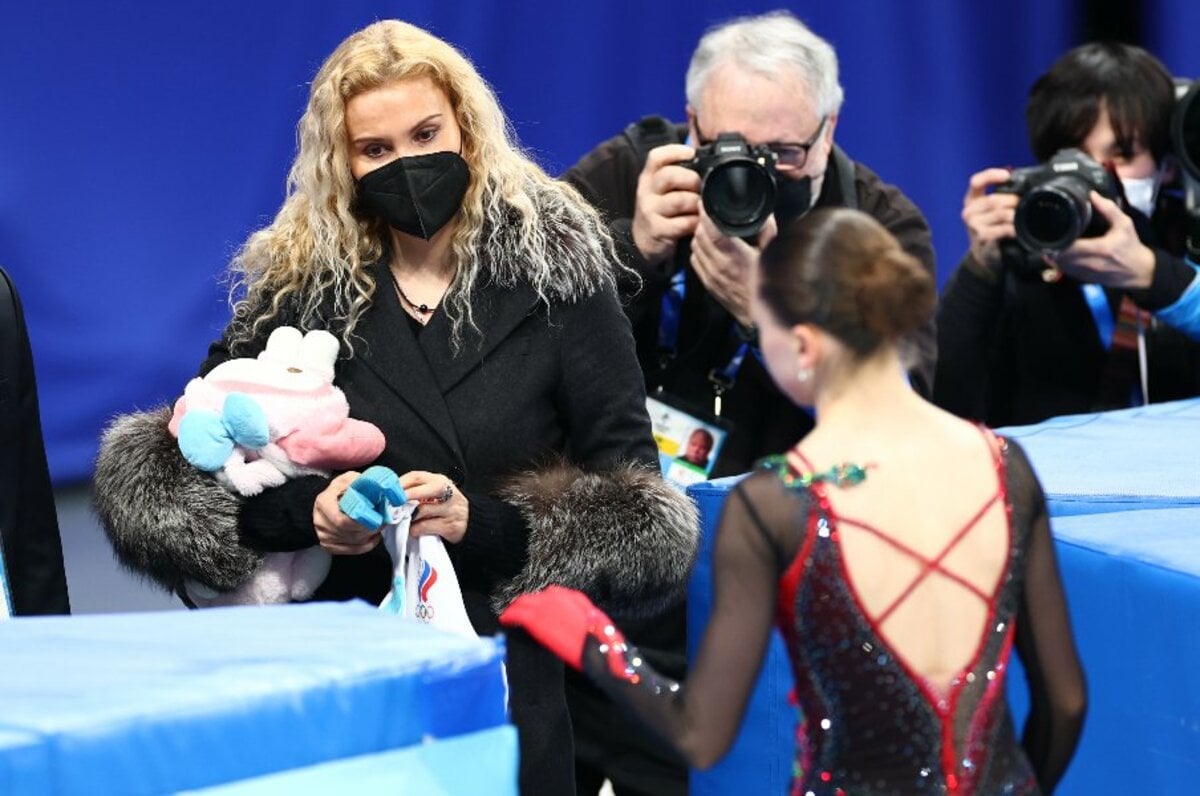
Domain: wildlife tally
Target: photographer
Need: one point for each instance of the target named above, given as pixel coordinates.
(1027, 332)
(775, 83)
(772, 80)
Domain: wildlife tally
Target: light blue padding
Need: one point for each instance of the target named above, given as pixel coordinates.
(246, 421)
(1184, 314)
(175, 700)
(1132, 581)
(204, 441)
(483, 762)
(367, 498)
(1143, 457)
(26, 759)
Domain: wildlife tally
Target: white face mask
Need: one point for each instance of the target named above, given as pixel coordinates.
(1141, 193)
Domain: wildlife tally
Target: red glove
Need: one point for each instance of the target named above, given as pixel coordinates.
(561, 620)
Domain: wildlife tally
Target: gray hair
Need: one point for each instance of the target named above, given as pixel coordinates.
(770, 44)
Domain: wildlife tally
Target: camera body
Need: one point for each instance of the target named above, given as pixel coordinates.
(737, 184)
(1185, 126)
(1054, 209)
(1185, 140)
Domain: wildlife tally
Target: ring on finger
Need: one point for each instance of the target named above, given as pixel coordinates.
(447, 493)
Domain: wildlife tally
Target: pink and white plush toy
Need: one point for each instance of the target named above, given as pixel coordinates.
(256, 422)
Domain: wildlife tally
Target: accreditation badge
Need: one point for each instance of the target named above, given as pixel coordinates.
(689, 440)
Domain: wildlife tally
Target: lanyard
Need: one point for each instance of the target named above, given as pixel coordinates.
(672, 310)
(722, 378)
(1102, 313)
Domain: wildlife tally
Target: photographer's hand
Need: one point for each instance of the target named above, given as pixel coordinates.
(668, 201)
(723, 265)
(988, 216)
(1117, 258)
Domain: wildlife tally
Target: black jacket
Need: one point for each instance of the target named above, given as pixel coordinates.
(765, 421)
(540, 420)
(29, 535)
(1015, 349)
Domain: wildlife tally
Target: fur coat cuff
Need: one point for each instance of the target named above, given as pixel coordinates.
(166, 520)
(625, 538)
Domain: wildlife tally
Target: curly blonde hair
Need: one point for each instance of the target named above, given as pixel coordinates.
(315, 256)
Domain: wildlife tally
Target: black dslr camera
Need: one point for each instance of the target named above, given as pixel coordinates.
(1185, 140)
(1185, 126)
(1054, 209)
(737, 184)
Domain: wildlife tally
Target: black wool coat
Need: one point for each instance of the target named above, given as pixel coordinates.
(539, 418)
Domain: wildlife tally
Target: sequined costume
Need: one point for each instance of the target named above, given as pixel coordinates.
(870, 723)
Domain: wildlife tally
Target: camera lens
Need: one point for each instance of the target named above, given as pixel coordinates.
(739, 196)
(1052, 215)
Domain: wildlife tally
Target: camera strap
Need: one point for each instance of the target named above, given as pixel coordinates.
(650, 132)
(845, 175)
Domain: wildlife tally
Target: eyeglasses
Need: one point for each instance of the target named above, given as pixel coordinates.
(788, 155)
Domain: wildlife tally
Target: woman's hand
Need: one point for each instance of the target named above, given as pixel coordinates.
(336, 532)
(444, 508)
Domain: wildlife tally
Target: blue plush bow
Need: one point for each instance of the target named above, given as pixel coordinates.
(207, 439)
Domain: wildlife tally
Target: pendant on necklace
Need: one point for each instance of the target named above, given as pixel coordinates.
(421, 309)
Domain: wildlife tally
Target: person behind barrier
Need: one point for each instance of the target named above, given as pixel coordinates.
(475, 301)
(902, 552)
(770, 85)
(33, 578)
(689, 215)
(1074, 295)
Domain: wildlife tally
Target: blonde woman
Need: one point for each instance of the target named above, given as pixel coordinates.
(475, 300)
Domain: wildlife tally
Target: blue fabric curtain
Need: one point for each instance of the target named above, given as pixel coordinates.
(1172, 31)
(142, 142)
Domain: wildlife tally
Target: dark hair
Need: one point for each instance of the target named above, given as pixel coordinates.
(1135, 87)
(840, 270)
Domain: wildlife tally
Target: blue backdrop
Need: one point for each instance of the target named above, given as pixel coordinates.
(142, 142)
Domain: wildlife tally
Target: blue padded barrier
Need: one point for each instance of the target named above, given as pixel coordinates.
(483, 762)
(1145, 457)
(1124, 495)
(166, 701)
(761, 758)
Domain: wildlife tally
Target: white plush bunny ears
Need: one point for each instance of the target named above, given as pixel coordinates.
(315, 352)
